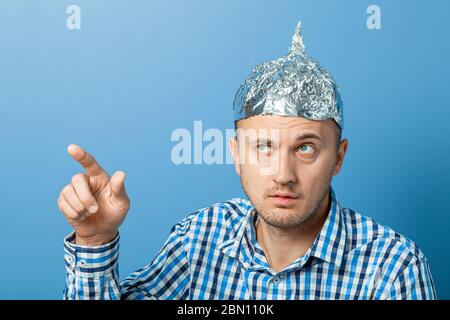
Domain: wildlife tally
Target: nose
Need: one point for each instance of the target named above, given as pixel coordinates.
(286, 170)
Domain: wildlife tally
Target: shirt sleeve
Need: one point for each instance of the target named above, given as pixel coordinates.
(93, 272)
(413, 283)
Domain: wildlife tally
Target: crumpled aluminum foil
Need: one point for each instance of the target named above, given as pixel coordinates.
(293, 85)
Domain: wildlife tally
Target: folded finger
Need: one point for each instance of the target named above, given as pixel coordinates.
(73, 200)
(67, 209)
(80, 183)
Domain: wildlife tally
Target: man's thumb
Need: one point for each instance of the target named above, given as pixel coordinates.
(117, 184)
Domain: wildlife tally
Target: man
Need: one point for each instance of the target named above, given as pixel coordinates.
(290, 240)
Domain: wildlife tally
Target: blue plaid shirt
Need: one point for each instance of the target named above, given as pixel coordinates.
(213, 254)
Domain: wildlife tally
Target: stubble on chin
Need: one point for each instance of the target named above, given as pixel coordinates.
(280, 218)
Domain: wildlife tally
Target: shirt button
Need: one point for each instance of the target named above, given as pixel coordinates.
(69, 258)
(276, 280)
(83, 263)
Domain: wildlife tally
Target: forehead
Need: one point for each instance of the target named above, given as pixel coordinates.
(288, 125)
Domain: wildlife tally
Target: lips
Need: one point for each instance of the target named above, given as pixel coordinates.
(284, 199)
(285, 195)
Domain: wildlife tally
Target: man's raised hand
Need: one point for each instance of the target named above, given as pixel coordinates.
(94, 203)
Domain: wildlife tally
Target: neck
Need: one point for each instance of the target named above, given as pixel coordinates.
(283, 246)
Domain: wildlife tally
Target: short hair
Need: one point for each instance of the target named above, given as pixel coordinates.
(339, 138)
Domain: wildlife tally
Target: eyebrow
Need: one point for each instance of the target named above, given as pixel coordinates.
(304, 136)
(308, 135)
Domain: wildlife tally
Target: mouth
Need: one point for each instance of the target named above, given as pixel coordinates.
(284, 199)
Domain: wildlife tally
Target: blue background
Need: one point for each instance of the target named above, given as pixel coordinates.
(137, 70)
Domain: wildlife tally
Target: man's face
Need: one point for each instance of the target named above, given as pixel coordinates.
(286, 164)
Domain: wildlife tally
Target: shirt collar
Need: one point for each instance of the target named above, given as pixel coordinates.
(328, 246)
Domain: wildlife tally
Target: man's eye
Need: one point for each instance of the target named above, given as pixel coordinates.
(262, 148)
(306, 149)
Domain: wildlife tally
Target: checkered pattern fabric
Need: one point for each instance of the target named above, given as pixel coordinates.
(213, 254)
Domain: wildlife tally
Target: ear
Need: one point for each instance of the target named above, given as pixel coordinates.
(340, 156)
(233, 144)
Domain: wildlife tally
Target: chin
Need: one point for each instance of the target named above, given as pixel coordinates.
(294, 213)
(284, 218)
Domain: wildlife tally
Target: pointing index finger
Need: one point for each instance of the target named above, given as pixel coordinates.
(85, 159)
